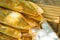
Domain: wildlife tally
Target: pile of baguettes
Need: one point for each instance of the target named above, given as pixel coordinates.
(17, 17)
